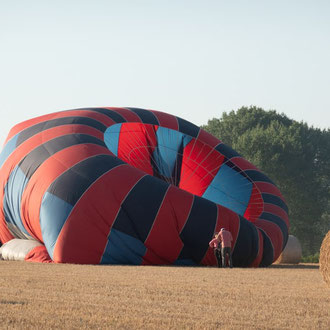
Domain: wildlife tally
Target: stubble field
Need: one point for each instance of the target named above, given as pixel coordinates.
(45, 296)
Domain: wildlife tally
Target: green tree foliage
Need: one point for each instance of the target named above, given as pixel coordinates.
(295, 156)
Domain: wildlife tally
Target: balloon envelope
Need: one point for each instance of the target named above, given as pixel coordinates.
(134, 186)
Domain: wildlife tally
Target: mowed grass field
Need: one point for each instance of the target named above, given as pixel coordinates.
(63, 296)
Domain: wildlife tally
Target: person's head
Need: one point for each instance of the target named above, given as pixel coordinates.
(216, 234)
(222, 229)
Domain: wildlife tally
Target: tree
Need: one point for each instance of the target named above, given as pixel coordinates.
(295, 156)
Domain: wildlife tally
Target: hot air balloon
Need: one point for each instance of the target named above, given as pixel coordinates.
(134, 186)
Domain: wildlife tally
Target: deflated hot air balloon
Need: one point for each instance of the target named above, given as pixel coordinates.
(134, 186)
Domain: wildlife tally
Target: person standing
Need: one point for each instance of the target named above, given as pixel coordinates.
(225, 238)
(216, 245)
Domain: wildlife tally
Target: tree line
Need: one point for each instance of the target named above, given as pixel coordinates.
(294, 155)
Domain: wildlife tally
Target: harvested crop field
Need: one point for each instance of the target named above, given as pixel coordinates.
(130, 297)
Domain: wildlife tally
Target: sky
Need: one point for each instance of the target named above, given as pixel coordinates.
(193, 59)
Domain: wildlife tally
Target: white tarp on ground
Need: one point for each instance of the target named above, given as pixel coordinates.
(17, 249)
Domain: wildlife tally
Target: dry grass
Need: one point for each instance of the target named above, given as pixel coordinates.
(325, 258)
(128, 297)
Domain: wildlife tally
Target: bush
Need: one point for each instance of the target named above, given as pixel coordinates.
(313, 258)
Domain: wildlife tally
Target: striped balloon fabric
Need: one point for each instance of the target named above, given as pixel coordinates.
(134, 186)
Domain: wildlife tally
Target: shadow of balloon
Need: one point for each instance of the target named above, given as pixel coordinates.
(295, 266)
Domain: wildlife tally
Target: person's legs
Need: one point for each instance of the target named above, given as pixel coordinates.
(230, 258)
(223, 253)
(217, 254)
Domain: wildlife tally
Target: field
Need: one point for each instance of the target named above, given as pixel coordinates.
(128, 297)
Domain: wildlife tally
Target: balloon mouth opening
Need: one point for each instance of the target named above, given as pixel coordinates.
(183, 161)
(167, 154)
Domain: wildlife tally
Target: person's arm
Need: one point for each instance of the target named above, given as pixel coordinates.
(219, 238)
(211, 243)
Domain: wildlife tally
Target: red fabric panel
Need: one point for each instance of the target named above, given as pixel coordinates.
(208, 139)
(229, 220)
(82, 113)
(129, 115)
(268, 188)
(200, 164)
(274, 233)
(166, 120)
(226, 219)
(22, 150)
(5, 234)
(38, 254)
(276, 210)
(90, 221)
(257, 260)
(255, 206)
(209, 259)
(136, 145)
(47, 172)
(164, 236)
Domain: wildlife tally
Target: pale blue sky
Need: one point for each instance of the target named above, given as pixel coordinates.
(194, 59)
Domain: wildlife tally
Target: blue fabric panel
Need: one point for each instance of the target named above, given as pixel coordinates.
(165, 155)
(53, 214)
(229, 189)
(123, 249)
(8, 149)
(111, 138)
(186, 140)
(12, 198)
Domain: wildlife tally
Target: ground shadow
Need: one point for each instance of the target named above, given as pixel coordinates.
(295, 266)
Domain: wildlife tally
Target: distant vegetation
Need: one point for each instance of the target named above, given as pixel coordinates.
(294, 155)
(313, 258)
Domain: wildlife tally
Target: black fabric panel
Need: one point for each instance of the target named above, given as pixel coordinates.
(272, 199)
(188, 128)
(279, 222)
(258, 176)
(30, 131)
(108, 112)
(37, 156)
(139, 210)
(198, 229)
(71, 185)
(247, 244)
(176, 173)
(146, 116)
(226, 151)
(268, 253)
